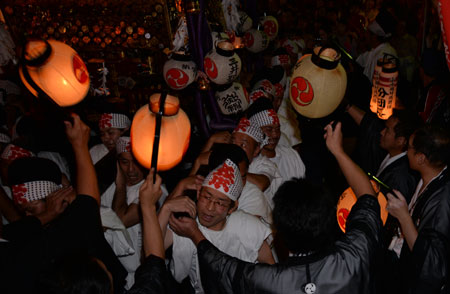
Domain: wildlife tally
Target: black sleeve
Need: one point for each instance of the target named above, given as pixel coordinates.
(150, 277)
(369, 153)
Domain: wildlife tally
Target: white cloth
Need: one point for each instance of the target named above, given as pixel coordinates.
(264, 166)
(253, 201)
(369, 59)
(58, 159)
(387, 161)
(97, 152)
(289, 163)
(242, 237)
(289, 125)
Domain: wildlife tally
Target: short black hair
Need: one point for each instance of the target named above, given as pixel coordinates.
(407, 122)
(304, 215)
(30, 169)
(222, 151)
(434, 142)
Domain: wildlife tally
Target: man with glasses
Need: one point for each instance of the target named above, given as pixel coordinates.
(239, 234)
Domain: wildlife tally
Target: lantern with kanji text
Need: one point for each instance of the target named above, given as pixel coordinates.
(223, 65)
(179, 71)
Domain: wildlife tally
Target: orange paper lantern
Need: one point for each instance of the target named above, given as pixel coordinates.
(318, 83)
(174, 133)
(54, 69)
(384, 86)
(348, 199)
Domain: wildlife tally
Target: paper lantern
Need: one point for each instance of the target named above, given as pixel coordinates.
(179, 71)
(256, 40)
(384, 87)
(223, 65)
(270, 27)
(174, 135)
(444, 18)
(245, 22)
(318, 83)
(232, 98)
(348, 199)
(52, 68)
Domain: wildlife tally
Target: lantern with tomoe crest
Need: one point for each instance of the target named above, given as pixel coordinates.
(54, 69)
(165, 146)
(384, 86)
(223, 65)
(318, 83)
(179, 71)
(270, 27)
(232, 98)
(256, 41)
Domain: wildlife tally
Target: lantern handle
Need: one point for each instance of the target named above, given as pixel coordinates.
(155, 147)
(41, 59)
(323, 63)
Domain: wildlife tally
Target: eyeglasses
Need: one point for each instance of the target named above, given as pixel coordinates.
(217, 202)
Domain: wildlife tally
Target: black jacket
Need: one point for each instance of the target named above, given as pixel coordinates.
(345, 268)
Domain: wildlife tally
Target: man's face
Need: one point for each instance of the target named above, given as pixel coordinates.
(131, 169)
(33, 208)
(109, 137)
(247, 143)
(388, 140)
(213, 208)
(273, 133)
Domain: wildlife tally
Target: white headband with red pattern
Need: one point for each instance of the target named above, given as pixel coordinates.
(114, 120)
(12, 152)
(226, 179)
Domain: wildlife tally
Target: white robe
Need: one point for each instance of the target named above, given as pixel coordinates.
(253, 201)
(264, 166)
(98, 152)
(242, 237)
(369, 59)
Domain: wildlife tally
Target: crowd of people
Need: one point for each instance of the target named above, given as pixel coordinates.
(255, 209)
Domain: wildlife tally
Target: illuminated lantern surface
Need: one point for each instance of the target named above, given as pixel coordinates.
(179, 71)
(444, 17)
(174, 136)
(270, 26)
(318, 83)
(57, 70)
(375, 78)
(348, 199)
(223, 65)
(256, 40)
(232, 98)
(384, 88)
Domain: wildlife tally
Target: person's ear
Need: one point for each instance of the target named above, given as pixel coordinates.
(421, 158)
(257, 150)
(402, 142)
(232, 209)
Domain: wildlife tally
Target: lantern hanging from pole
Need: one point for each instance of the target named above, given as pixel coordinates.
(179, 71)
(348, 199)
(318, 83)
(223, 65)
(232, 98)
(162, 147)
(270, 26)
(53, 69)
(384, 87)
(256, 41)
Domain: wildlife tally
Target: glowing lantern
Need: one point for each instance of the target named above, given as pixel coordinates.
(270, 26)
(256, 40)
(444, 17)
(179, 71)
(52, 68)
(232, 98)
(348, 199)
(162, 146)
(318, 83)
(384, 87)
(223, 65)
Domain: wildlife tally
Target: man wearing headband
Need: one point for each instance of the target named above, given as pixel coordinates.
(111, 126)
(378, 34)
(59, 220)
(239, 234)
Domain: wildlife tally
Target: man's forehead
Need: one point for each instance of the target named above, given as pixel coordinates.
(217, 194)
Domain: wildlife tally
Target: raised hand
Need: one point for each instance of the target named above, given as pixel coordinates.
(149, 192)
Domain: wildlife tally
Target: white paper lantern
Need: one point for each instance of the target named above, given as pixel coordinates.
(245, 22)
(232, 98)
(223, 65)
(318, 83)
(179, 71)
(56, 69)
(256, 40)
(270, 26)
